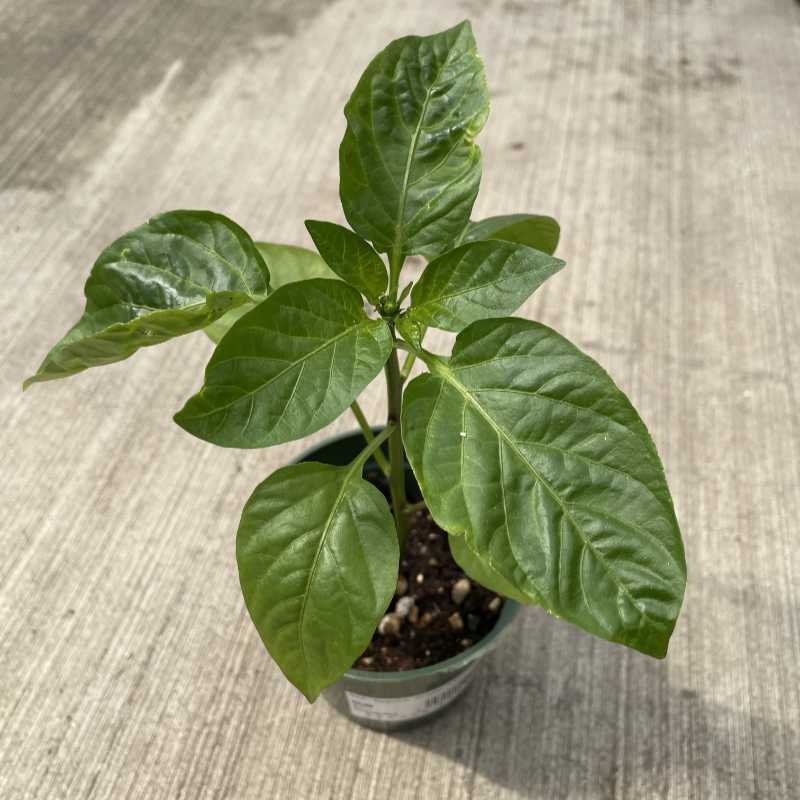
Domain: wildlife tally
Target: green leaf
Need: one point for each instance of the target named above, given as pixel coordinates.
(409, 170)
(288, 367)
(217, 329)
(411, 330)
(481, 570)
(539, 232)
(176, 274)
(476, 281)
(350, 257)
(286, 263)
(525, 446)
(318, 561)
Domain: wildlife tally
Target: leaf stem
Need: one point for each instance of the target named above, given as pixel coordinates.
(380, 458)
(402, 344)
(374, 446)
(397, 478)
(395, 266)
(405, 370)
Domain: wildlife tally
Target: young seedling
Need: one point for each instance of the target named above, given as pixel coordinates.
(526, 452)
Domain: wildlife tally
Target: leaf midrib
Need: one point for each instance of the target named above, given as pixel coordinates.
(413, 150)
(219, 255)
(444, 373)
(292, 365)
(500, 279)
(315, 564)
(116, 327)
(574, 454)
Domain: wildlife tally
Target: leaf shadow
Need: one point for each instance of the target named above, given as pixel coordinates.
(557, 714)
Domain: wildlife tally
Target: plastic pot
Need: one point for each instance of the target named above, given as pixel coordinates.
(392, 700)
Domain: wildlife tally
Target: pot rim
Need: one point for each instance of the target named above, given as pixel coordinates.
(510, 609)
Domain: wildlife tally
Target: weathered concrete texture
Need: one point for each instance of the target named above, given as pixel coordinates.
(664, 136)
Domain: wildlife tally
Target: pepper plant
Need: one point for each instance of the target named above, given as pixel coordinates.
(526, 452)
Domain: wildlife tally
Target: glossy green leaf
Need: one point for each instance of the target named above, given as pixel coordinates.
(318, 562)
(286, 263)
(350, 257)
(524, 445)
(410, 330)
(481, 570)
(288, 367)
(539, 232)
(476, 281)
(217, 329)
(409, 170)
(174, 275)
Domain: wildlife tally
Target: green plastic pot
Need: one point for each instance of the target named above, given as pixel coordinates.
(392, 700)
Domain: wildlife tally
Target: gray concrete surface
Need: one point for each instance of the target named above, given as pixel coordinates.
(666, 138)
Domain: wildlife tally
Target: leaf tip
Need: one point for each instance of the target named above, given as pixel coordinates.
(179, 418)
(311, 693)
(315, 228)
(654, 644)
(39, 376)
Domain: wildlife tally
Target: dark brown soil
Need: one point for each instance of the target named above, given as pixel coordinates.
(434, 622)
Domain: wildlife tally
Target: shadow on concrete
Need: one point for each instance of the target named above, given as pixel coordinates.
(556, 713)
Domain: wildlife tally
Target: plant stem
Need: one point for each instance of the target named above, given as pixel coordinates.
(374, 446)
(380, 458)
(395, 265)
(411, 358)
(397, 478)
(394, 394)
(401, 344)
(407, 364)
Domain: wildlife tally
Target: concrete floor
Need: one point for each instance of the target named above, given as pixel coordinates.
(666, 138)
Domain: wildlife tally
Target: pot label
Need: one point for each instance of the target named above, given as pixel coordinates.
(401, 709)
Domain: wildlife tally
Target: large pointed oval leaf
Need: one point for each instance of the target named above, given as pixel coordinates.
(534, 230)
(350, 257)
(476, 281)
(524, 445)
(176, 274)
(288, 367)
(217, 329)
(286, 263)
(482, 571)
(409, 170)
(318, 561)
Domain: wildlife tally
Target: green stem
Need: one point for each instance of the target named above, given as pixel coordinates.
(374, 446)
(402, 344)
(417, 352)
(380, 458)
(407, 364)
(395, 266)
(394, 393)
(411, 357)
(397, 479)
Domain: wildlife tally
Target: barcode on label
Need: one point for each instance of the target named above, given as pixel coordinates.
(401, 709)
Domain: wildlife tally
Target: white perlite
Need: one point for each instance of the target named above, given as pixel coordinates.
(403, 606)
(460, 591)
(390, 625)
